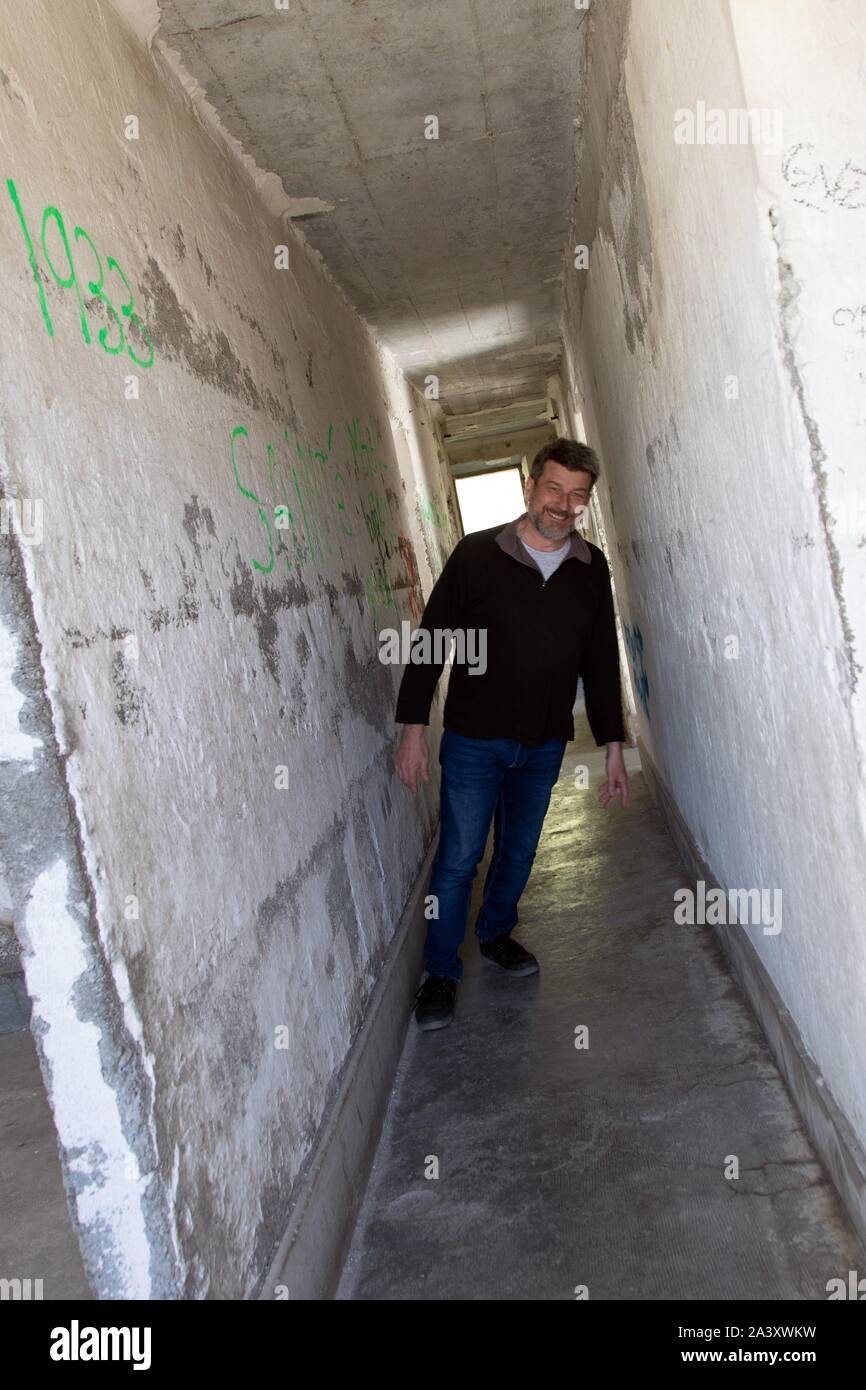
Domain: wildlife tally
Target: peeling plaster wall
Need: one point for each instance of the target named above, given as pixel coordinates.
(229, 851)
(722, 508)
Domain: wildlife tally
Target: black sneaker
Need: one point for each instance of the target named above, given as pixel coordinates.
(505, 951)
(434, 1002)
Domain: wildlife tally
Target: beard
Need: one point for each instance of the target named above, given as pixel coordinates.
(550, 528)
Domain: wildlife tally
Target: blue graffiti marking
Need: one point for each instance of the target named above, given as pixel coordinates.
(634, 643)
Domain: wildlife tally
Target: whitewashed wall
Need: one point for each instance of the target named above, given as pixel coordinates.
(726, 391)
(236, 852)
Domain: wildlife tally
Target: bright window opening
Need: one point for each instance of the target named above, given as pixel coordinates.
(490, 499)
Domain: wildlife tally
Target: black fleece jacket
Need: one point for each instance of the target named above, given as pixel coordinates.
(541, 635)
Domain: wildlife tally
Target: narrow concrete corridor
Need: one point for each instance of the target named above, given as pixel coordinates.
(295, 294)
(601, 1166)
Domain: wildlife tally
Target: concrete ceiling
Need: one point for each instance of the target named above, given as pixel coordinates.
(451, 248)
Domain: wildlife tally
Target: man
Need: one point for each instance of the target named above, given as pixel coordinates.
(542, 595)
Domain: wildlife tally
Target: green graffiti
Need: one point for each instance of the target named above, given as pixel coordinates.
(31, 254)
(298, 505)
(379, 591)
(51, 216)
(303, 504)
(96, 287)
(435, 517)
(376, 512)
(283, 514)
(433, 510)
(367, 461)
(242, 432)
(72, 279)
(128, 311)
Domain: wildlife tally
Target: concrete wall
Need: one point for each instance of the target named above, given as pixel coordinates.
(203, 840)
(715, 350)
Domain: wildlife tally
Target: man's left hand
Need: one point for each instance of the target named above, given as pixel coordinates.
(615, 786)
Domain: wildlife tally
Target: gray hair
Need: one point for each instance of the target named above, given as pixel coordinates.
(580, 458)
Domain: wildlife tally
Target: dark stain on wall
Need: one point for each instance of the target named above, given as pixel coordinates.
(302, 644)
(298, 706)
(208, 273)
(188, 606)
(659, 449)
(128, 702)
(11, 88)
(608, 160)
(353, 585)
(633, 242)
(195, 519)
(205, 351)
(365, 688)
(332, 593)
(341, 906)
(277, 357)
(158, 619)
(77, 638)
(259, 600)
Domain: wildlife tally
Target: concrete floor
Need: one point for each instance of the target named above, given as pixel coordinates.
(558, 1167)
(599, 1167)
(36, 1236)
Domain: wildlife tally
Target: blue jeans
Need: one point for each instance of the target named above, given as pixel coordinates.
(485, 779)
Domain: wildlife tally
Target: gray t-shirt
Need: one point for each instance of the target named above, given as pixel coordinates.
(548, 560)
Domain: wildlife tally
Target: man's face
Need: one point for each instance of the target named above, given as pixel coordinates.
(554, 497)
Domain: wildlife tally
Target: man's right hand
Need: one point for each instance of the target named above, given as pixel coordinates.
(411, 757)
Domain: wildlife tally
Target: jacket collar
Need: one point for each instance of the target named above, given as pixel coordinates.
(509, 541)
